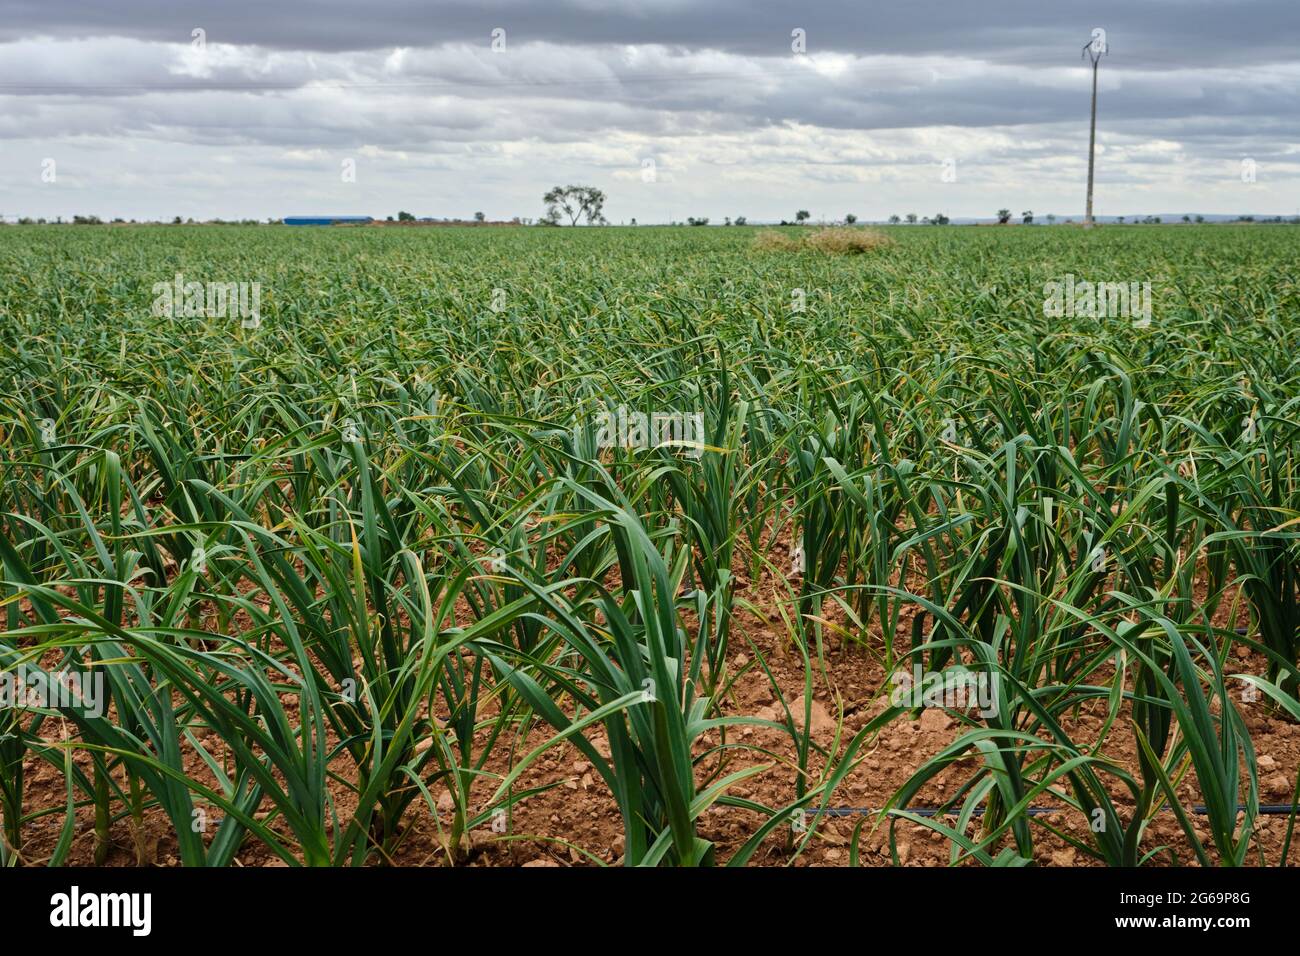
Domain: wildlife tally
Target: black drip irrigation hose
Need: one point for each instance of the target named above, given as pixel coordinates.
(1265, 809)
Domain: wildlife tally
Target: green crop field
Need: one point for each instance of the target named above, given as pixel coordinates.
(359, 546)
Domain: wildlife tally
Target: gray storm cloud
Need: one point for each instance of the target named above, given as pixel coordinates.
(142, 119)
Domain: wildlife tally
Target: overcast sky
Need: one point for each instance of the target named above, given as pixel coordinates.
(673, 107)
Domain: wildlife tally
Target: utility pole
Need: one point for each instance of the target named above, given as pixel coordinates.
(1095, 49)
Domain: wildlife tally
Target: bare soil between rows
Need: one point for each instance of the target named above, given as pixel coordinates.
(576, 822)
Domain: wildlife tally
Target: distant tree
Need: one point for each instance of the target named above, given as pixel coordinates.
(1027, 217)
(1051, 219)
(741, 220)
(1200, 218)
(1004, 216)
(939, 220)
(911, 219)
(1187, 219)
(634, 220)
(479, 217)
(694, 221)
(801, 216)
(576, 202)
(1120, 220)
(405, 217)
(176, 221)
(894, 220)
(390, 218)
(850, 219)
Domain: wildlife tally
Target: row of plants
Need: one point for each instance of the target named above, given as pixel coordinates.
(374, 554)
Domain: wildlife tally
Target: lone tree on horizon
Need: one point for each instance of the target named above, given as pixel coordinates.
(576, 202)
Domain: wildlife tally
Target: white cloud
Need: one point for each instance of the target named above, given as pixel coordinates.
(147, 127)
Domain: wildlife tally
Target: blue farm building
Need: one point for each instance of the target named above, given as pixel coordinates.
(324, 220)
